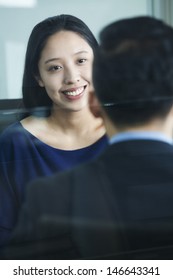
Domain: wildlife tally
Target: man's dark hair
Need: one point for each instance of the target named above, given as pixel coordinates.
(133, 70)
(33, 94)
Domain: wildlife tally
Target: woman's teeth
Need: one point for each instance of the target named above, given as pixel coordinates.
(75, 92)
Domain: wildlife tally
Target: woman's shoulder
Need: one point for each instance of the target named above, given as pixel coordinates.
(16, 131)
(10, 140)
(102, 141)
(11, 130)
(14, 137)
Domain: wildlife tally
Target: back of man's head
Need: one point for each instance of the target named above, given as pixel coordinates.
(133, 70)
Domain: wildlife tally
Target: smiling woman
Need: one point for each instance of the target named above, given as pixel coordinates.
(57, 78)
(65, 71)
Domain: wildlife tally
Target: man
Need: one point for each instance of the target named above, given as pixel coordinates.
(120, 205)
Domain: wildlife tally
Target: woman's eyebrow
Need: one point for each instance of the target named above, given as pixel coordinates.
(83, 51)
(52, 59)
(57, 58)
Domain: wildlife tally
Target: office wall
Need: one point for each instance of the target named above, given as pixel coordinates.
(16, 24)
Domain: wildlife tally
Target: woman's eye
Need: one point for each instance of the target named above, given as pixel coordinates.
(55, 68)
(82, 60)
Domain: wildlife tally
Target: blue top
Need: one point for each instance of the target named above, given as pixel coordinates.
(23, 157)
(140, 135)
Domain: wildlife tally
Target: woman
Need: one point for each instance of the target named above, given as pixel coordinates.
(57, 80)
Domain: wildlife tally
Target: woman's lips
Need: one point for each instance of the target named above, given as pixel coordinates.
(74, 93)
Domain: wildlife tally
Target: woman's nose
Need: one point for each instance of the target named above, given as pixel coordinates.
(71, 77)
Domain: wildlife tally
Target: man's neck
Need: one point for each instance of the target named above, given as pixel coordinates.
(155, 126)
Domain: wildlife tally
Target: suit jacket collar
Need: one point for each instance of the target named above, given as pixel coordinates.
(137, 147)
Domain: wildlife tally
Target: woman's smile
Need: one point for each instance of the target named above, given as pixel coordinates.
(74, 93)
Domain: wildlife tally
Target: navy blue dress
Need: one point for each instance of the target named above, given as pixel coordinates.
(23, 157)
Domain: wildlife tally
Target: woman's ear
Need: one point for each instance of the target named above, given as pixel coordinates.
(39, 81)
(94, 104)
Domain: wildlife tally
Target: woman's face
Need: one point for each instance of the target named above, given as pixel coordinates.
(65, 69)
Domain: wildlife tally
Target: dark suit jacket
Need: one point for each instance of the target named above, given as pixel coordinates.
(121, 202)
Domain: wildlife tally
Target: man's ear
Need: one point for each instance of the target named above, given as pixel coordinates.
(39, 81)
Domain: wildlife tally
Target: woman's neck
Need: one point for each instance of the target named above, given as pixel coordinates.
(76, 121)
(66, 130)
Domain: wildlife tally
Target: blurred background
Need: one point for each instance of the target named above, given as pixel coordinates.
(18, 17)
